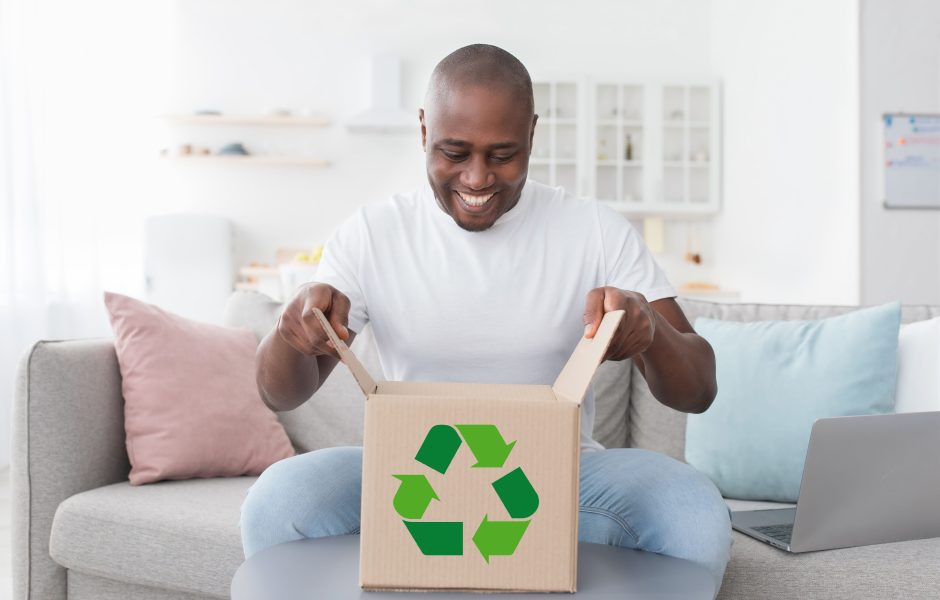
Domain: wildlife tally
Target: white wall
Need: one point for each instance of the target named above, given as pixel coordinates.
(900, 72)
(81, 138)
(788, 230)
(243, 56)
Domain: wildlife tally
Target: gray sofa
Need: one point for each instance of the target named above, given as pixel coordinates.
(80, 531)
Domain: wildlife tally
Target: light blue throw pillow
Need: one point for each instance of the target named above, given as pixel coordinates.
(775, 378)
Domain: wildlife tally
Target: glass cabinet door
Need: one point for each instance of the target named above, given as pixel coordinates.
(643, 146)
(556, 146)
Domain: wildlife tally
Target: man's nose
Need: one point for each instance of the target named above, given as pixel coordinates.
(477, 175)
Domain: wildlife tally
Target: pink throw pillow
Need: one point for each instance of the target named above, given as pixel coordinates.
(191, 404)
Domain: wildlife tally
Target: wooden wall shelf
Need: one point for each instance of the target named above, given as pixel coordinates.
(251, 160)
(247, 120)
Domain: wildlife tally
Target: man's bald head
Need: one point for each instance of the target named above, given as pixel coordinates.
(476, 129)
(480, 65)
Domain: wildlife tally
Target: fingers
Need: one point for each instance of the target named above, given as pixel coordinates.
(317, 339)
(636, 329)
(339, 314)
(623, 347)
(298, 324)
(633, 333)
(317, 296)
(593, 311)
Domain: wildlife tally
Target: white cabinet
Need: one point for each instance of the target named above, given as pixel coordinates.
(644, 146)
(617, 148)
(558, 145)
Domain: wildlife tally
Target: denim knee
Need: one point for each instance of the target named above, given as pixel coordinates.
(309, 495)
(657, 504)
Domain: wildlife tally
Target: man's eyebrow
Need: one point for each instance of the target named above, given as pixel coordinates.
(464, 144)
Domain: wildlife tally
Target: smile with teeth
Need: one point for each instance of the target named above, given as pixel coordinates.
(472, 200)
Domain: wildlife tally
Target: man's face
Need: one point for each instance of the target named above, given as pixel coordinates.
(477, 141)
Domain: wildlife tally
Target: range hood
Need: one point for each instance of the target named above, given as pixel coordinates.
(385, 114)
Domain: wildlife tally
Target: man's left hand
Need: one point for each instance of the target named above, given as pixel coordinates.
(637, 327)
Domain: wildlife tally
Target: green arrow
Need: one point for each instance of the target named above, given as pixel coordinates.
(498, 537)
(439, 447)
(413, 496)
(487, 444)
(517, 494)
(437, 538)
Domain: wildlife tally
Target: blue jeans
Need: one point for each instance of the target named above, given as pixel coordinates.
(629, 497)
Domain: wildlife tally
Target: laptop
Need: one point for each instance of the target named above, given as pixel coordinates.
(869, 479)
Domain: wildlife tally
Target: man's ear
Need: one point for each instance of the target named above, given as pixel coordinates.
(424, 131)
(535, 119)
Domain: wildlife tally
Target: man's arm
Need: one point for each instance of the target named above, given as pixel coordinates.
(287, 378)
(678, 364)
(295, 358)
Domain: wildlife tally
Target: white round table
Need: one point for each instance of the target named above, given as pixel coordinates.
(329, 568)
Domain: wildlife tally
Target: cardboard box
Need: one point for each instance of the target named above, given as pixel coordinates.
(473, 486)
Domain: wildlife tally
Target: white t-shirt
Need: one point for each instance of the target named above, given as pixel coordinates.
(503, 305)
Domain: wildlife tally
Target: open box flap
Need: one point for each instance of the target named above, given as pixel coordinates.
(355, 367)
(574, 379)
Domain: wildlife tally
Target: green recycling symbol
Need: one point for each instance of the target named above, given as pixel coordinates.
(445, 538)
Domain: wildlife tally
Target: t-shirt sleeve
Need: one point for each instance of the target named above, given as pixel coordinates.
(629, 263)
(341, 266)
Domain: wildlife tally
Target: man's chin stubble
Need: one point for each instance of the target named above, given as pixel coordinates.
(473, 228)
(464, 226)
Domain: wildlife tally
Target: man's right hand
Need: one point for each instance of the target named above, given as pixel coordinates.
(299, 327)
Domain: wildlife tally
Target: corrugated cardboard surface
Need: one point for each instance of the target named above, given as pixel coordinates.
(575, 377)
(547, 448)
(359, 373)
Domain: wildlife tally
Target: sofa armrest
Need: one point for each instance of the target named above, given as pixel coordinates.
(68, 437)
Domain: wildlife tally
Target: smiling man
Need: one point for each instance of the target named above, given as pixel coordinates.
(484, 275)
(477, 142)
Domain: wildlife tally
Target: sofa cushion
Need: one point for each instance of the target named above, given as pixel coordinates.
(184, 536)
(83, 586)
(661, 429)
(900, 570)
(334, 415)
(654, 426)
(775, 379)
(180, 535)
(755, 504)
(611, 403)
(191, 405)
(919, 367)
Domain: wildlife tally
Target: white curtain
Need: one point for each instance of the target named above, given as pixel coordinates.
(79, 83)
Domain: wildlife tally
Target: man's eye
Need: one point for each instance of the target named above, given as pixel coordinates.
(454, 156)
(504, 158)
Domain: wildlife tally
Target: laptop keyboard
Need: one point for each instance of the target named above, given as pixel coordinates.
(780, 533)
